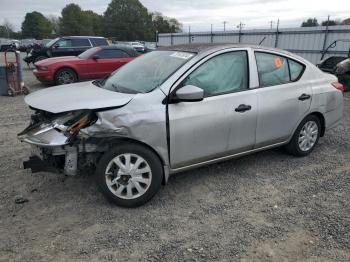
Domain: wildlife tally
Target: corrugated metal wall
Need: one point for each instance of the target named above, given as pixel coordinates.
(308, 42)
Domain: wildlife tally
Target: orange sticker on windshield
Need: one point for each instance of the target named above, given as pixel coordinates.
(278, 62)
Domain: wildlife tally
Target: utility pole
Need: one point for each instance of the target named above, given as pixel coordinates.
(325, 35)
(240, 26)
(157, 39)
(8, 31)
(277, 33)
(271, 24)
(189, 34)
(225, 22)
(211, 33)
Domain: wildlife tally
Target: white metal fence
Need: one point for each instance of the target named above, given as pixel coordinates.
(308, 42)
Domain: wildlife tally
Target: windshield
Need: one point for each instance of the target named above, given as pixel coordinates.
(49, 44)
(146, 72)
(88, 53)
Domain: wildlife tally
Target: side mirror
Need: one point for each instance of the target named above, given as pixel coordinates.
(189, 93)
(96, 57)
(56, 46)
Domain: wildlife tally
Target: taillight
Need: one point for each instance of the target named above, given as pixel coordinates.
(338, 86)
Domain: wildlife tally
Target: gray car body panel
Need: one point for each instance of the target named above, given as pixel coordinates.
(199, 133)
(143, 120)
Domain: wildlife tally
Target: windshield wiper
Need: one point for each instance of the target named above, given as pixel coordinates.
(97, 83)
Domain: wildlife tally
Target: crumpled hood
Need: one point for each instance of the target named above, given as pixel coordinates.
(84, 95)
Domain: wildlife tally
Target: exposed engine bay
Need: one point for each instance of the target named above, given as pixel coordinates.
(57, 143)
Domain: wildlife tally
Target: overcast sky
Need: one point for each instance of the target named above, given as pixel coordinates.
(199, 14)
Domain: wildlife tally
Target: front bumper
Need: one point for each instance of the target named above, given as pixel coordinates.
(56, 159)
(36, 164)
(68, 159)
(43, 76)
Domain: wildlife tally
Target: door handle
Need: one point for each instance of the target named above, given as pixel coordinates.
(304, 97)
(242, 108)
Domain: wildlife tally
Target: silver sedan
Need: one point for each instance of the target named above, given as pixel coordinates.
(180, 108)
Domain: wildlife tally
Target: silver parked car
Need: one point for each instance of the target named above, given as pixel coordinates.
(179, 108)
(138, 46)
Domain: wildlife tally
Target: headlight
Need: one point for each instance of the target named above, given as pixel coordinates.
(42, 68)
(59, 131)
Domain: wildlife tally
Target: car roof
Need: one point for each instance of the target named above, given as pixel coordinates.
(127, 49)
(100, 37)
(211, 48)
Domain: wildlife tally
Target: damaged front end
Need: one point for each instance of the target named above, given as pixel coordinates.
(57, 143)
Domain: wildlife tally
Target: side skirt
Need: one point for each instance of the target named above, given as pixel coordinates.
(221, 159)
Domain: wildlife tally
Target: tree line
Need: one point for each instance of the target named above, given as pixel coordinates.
(310, 22)
(123, 19)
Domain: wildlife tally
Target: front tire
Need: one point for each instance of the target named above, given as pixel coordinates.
(65, 76)
(305, 137)
(129, 175)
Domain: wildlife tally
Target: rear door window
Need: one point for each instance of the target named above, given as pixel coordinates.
(98, 41)
(112, 53)
(80, 42)
(274, 69)
(296, 69)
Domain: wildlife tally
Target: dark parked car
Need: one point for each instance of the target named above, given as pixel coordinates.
(328, 65)
(337, 65)
(10, 44)
(65, 46)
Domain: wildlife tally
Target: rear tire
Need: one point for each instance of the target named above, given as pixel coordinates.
(65, 76)
(129, 175)
(25, 90)
(305, 137)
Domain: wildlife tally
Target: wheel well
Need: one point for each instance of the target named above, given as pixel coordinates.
(322, 122)
(129, 140)
(66, 67)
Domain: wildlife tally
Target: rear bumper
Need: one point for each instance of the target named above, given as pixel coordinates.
(43, 76)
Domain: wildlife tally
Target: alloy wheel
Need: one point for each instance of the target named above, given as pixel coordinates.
(65, 77)
(128, 176)
(308, 136)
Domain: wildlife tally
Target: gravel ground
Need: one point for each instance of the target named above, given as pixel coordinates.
(264, 207)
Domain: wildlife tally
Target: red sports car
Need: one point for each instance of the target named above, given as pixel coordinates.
(95, 63)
